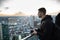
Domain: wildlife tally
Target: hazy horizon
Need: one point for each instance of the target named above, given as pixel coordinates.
(29, 7)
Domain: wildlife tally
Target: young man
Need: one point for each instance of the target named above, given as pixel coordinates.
(57, 23)
(45, 31)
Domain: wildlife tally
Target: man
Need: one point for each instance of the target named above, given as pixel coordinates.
(46, 30)
(57, 23)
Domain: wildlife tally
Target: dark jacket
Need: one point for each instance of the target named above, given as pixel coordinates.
(57, 20)
(46, 29)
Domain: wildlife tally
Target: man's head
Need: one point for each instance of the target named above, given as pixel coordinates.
(41, 12)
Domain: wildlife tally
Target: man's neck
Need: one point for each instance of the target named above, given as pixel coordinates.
(43, 16)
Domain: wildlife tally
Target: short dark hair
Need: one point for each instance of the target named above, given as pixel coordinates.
(42, 10)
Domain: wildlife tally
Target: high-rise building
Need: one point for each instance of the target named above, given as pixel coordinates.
(5, 32)
(1, 35)
(4, 28)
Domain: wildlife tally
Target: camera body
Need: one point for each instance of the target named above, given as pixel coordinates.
(33, 30)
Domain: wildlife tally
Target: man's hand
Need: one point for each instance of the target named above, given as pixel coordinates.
(34, 32)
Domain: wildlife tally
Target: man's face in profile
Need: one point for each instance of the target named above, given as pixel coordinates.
(40, 14)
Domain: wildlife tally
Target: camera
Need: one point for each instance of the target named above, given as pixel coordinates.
(33, 30)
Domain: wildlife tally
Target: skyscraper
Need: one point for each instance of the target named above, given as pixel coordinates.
(1, 35)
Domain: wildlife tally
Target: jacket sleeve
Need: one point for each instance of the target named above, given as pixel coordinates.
(46, 30)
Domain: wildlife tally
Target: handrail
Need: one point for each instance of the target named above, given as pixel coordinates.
(27, 37)
(31, 36)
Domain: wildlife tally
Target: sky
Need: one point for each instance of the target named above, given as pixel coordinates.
(29, 6)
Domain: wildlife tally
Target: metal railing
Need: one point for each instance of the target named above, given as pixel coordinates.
(31, 37)
(27, 37)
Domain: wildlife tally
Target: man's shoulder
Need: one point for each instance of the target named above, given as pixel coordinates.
(46, 22)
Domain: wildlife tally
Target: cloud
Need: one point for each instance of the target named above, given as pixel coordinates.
(30, 6)
(2, 1)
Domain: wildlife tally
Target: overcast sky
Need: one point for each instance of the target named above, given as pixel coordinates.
(29, 6)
